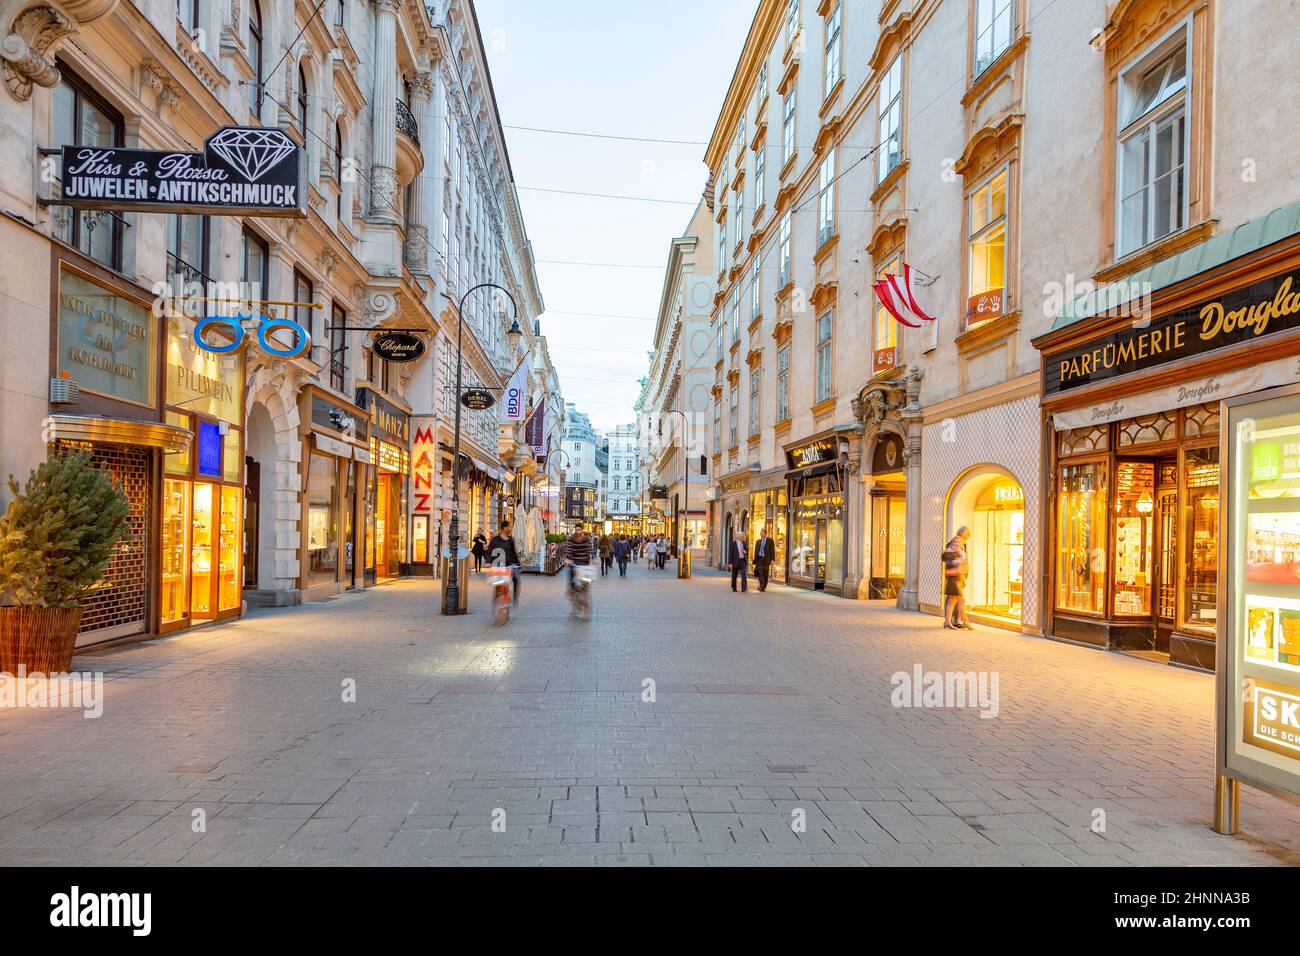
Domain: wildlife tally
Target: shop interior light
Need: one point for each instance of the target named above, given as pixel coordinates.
(1146, 504)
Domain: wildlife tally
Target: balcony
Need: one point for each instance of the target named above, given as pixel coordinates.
(410, 158)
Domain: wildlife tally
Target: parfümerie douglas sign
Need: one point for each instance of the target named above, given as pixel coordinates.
(243, 170)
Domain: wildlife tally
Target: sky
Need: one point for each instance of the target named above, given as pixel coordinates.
(655, 70)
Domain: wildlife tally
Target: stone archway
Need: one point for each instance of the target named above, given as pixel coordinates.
(274, 440)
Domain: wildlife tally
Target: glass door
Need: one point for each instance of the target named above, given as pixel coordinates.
(1135, 505)
(1167, 576)
(175, 551)
(822, 543)
(229, 546)
(201, 556)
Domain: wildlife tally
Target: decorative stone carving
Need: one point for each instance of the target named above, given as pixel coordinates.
(29, 46)
(328, 261)
(383, 191)
(377, 306)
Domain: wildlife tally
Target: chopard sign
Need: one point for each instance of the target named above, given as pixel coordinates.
(1263, 308)
(241, 171)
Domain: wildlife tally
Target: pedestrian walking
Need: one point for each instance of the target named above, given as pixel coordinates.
(955, 568)
(661, 552)
(605, 548)
(622, 551)
(503, 552)
(739, 562)
(764, 555)
(479, 549)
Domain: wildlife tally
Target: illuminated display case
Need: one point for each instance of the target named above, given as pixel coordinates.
(175, 549)
(1260, 644)
(201, 552)
(229, 546)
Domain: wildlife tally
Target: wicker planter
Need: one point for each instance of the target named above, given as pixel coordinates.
(38, 639)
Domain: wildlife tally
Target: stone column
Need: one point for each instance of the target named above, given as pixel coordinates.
(911, 418)
(383, 115)
(417, 214)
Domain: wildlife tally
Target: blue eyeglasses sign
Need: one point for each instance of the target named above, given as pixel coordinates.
(266, 325)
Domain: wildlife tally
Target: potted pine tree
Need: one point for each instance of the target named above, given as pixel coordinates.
(56, 539)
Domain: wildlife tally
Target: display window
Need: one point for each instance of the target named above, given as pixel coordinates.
(1135, 486)
(322, 519)
(997, 550)
(1082, 532)
(1201, 540)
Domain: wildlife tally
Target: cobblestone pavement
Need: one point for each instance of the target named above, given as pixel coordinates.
(766, 704)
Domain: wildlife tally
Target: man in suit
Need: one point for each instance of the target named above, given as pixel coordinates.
(739, 562)
(764, 555)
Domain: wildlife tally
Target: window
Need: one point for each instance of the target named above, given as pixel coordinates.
(783, 252)
(339, 6)
(1201, 567)
(740, 214)
(1153, 150)
(255, 267)
(755, 415)
(832, 74)
(783, 383)
(994, 21)
(734, 312)
(718, 337)
(890, 115)
(338, 349)
(302, 102)
(824, 357)
(255, 58)
(740, 140)
(82, 118)
(826, 200)
(762, 87)
(734, 432)
(791, 22)
(188, 12)
(787, 128)
(187, 247)
(303, 313)
(760, 175)
(1082, 532)
(884, 356)
(755, 288)
(988, 251)
(722, 241)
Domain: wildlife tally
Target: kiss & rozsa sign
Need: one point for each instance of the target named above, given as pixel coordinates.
(241, 171)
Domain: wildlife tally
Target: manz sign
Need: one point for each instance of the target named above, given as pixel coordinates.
(241, 171)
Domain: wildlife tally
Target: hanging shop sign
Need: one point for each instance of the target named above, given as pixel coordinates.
(107, 341)
(242, 171)
(282, 345)
(1262, 308)
(202, 381)
(398, 346)
(814, 453)
(516, 395)
(477, 399)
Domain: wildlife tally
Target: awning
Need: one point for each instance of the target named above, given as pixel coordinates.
(812, 471)
(90, 428)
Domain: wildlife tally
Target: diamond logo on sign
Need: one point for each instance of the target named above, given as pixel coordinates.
(251, 151)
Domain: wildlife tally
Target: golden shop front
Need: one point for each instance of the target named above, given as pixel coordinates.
(107, 343)
(203, 545)
(815, 491)
(1133, 398)
(388, 490)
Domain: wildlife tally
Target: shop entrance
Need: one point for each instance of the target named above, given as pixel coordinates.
(997, 550)
(1146, 553)
(888, 537)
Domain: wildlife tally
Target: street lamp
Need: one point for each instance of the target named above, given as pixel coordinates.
(684, 555)
(451, 595)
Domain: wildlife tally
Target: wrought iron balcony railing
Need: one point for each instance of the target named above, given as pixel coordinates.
(406, 122)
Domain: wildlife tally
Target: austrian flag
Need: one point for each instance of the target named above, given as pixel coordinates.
(899, 297)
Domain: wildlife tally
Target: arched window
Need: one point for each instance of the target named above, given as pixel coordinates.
(255, 56)
(302, 102)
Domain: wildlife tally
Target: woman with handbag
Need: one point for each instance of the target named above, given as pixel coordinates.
(955, 568)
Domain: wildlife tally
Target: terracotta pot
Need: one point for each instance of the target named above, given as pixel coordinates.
(39, 639)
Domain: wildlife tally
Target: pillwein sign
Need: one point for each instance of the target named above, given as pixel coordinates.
(241, 171)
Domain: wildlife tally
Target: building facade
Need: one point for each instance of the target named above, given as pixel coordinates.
(255, 478)
(624, 507)
(676, 396)
(582, 474)
(935, 140)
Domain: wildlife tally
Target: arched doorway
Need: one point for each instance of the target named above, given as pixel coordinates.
(991, 503)
(259, 500)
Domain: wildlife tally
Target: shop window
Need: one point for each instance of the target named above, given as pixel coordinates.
(986, 297)
(1078, 440)
(83, 118)
(890, 118)
(1135, 485)
(1082, 533)
(1146, 429)
(1153, 144)
(303, 313)
(1201, 540)
(825, 357)
(322, 519)
(994, 24)
(885, 353)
